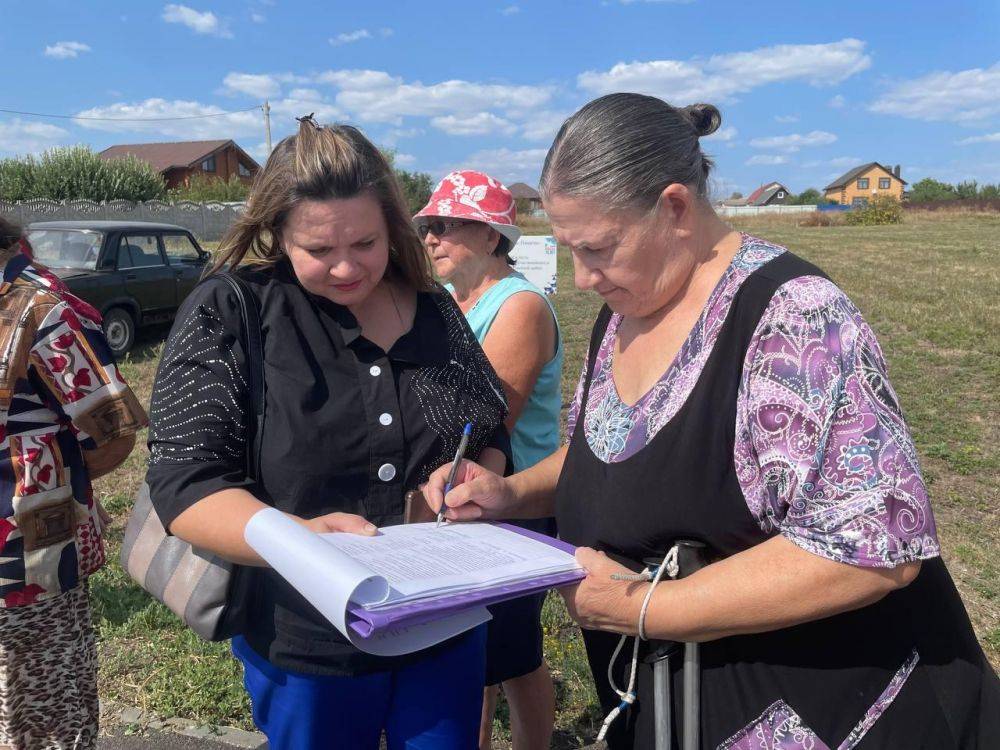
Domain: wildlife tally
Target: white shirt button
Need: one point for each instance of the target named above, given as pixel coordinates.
(375, 371)
(385, 419)
(386, 472)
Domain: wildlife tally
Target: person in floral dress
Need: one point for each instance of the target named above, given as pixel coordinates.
(68, 417)
(733, 395)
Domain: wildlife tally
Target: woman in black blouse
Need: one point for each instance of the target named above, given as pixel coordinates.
(371, 373)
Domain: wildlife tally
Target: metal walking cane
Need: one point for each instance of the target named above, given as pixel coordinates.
(691, 556)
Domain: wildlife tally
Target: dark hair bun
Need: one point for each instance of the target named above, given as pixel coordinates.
(705, 118)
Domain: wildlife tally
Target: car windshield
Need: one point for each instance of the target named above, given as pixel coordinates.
(66, 248)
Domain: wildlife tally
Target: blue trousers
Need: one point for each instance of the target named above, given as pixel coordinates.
(433, 704)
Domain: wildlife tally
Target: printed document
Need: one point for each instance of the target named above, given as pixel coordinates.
(407, 569)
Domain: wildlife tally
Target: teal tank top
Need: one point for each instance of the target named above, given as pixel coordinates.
(536, 433)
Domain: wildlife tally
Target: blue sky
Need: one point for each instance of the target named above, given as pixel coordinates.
(807, 90)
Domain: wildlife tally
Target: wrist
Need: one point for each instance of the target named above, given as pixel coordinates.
(657, 624)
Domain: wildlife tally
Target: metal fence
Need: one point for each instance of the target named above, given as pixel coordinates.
(760, 210)
(208, 221)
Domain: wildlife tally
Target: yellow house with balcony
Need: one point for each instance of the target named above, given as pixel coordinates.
(861, 184)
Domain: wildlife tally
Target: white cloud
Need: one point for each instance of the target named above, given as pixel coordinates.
(404, 160)
(837, 102)
(795, 141)
(722, 134)
(310, 95)
(258, 152)
(350, 37)
(21, 137)
(66, 50)
(722, 77)
(785, 119)
(395, 135)
(543, 125)
(510, 10)
(258, 17)
(965, 96)
(988, 138)
(385, 32)
(199, 22)
(842, 162)
(766, 159)
(481, 123)
(221, 126)
(299, 102)
(375, 96)
(507, 165)
(846, 161)
(360, 80)
(258, 85)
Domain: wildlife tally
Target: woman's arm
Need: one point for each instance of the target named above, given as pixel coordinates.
(819, 467)
(482, 494)
(521, 340)
(767, 587)
(216, 523)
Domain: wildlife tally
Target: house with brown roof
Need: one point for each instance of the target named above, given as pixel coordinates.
(179, 161)
(857, 187)
(526, 193)
(771, 194)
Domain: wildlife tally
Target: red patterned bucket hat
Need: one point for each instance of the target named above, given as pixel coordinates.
(474, 196)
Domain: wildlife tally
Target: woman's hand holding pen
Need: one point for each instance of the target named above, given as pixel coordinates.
(477, 493)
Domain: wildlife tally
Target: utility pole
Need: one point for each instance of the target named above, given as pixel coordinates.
(267, 125)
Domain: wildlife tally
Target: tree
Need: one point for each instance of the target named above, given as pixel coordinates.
(931, 190)
(808, 197)
(967, 190)
(417, 188)
(989, 192)
(76, 172)
(735, 196)
(202, 188)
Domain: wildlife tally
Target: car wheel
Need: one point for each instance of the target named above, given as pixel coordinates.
(119, 330)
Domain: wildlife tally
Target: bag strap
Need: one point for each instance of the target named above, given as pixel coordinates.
(250, 313)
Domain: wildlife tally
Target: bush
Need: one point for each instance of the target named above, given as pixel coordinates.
(808, 197)
(882, 209)
(76, 172)
(822, 219)
(201, 188)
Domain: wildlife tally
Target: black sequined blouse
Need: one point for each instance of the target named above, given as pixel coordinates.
(348, 427)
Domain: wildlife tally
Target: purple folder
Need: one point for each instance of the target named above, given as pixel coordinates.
(367, 622)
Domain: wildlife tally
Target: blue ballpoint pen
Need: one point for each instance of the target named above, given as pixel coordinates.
(459, 454)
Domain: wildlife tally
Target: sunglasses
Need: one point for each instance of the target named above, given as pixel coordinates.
(439, 227)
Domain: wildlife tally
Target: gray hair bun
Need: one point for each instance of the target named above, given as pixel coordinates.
(704, 117)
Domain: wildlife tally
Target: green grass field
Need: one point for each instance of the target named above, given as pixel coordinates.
(930, 287)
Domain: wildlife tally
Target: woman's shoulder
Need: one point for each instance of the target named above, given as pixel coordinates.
(515, 283)
(811, 297)
(214, 292)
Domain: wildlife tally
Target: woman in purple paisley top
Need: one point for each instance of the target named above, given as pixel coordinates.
(735, 396)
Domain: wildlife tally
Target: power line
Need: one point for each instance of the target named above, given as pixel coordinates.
(132, 119)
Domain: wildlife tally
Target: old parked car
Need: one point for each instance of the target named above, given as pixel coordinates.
(135, 273)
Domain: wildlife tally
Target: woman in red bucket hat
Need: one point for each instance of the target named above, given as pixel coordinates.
(469, 230)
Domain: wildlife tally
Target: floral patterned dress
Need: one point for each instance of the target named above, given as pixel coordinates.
(777, 417)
